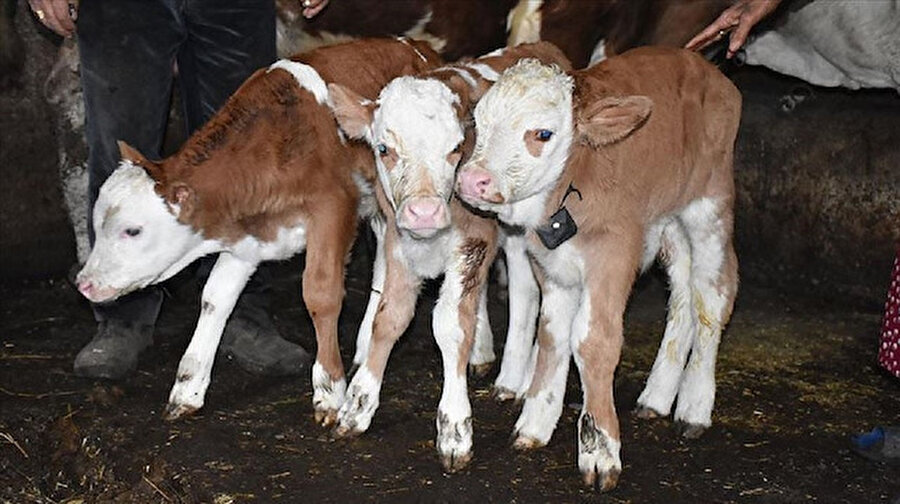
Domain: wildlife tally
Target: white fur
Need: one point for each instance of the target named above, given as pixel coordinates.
(307, 77)
(379, 269)
(599, 53)
(486, 72)
(544, 399)
(543, 100)
(483, 347)
(328, 394)
(523, 23)
(466, 76)
(362, 400)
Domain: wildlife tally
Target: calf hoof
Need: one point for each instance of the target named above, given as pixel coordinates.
(346, 431)
(326, 417)
(501, 394)
(690, 430)
(602, 481)
(176, 411)
(480, 370)
(454, 441)
(525, 443)
(454, 461)
(646, 412)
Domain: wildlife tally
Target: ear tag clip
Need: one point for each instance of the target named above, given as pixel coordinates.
(561, 226)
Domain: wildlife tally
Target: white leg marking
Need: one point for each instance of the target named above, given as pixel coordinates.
(524, 298)
(379, 268)
(225, 283)
(328, 395)
(454, 416)
(711, 301)
(662, 385)
(356, 414)
(544, 400)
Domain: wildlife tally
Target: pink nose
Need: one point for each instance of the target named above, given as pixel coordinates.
(86, 289)
(474, 182)
(425, 213)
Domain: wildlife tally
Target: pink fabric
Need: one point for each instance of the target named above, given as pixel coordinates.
(889, 347)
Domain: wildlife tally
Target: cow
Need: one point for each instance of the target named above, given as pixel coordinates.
(418, 132)
(267, 177)
(606, 169)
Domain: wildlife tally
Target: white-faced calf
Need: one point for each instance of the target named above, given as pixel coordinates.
(266, 177)
(418, 130)
(607, 169)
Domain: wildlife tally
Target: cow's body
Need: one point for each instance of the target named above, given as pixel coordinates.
(646, 185)
(850, 44)
(265, 178)
(418, 129)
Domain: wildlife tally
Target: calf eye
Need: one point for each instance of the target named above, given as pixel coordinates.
(543, 135)
(132, 232)
(382, 149)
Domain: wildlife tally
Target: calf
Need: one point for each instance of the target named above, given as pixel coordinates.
(418, 132)
(266, 177)
(606, 169)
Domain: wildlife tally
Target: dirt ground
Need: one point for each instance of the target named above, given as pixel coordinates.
(796, 377)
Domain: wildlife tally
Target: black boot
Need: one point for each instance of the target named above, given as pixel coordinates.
(113, 353)
(251, 339)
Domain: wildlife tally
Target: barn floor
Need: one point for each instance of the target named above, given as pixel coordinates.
(796, 378)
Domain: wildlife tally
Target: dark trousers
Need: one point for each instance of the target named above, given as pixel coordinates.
(128, 51)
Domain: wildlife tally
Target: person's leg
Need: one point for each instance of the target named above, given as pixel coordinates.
(127, 49)
(227, 40)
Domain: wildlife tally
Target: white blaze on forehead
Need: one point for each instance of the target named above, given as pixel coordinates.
(529, 83)
(307, 77)
(121, 188)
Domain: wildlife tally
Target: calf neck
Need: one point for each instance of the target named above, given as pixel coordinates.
(608, 168)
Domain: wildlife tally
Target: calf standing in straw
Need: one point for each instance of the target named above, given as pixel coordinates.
(606, 169)
(418, 130)
(266, 177)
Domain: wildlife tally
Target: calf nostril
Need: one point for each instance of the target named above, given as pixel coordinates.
(85, 287)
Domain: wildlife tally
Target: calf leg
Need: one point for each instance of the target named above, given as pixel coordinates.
(482, 357)
(329, 241)
(662, 385)
(544, 399)
(597, 344)
(453, 323)
(364, 336)
(524, 297)
(714, 285)
(225, 283)
(395, 311)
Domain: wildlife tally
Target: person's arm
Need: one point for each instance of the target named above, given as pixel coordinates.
(738, 19)
(58, 15)
(312, 7)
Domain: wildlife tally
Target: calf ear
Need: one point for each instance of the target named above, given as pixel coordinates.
(612, 119)
(352, 111)
(129, 153)
(183, 196)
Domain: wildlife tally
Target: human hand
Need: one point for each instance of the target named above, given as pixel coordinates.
(312, 7)
(58, 15)
(740, 17)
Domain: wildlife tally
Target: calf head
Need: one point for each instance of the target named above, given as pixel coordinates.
(417, 135)
(139, 240)
(526, 125)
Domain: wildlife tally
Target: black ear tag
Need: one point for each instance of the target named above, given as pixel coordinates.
(560, 228)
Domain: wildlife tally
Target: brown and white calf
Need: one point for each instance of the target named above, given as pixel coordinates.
(418, 130)
(266, 177)
(608, 168)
